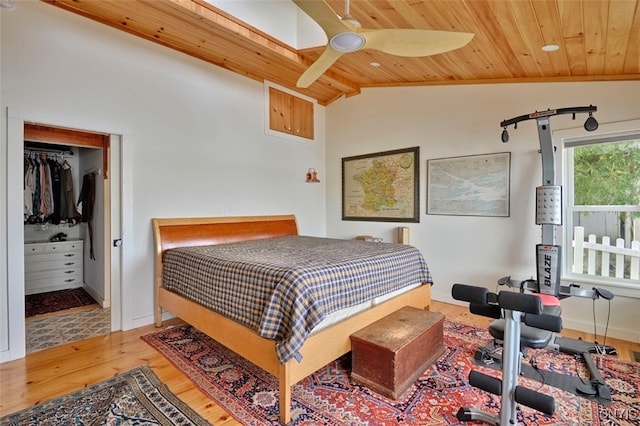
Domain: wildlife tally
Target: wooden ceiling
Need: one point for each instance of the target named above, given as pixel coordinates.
(599, 40)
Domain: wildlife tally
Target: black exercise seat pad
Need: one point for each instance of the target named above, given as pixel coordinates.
(530, 337)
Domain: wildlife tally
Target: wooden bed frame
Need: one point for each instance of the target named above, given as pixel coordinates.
(319, 349)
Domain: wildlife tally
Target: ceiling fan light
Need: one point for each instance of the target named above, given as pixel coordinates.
(347, 42)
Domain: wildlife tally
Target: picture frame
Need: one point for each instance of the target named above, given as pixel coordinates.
(473, 185)
(383, 186)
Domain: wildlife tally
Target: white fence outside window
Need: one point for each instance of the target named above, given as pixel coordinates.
(603, 259)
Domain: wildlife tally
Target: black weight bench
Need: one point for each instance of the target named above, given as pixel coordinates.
(530, 336)
(536, 338)
(519, 310)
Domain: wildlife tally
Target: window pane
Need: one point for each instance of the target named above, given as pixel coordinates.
(607, 174)
(604, 206)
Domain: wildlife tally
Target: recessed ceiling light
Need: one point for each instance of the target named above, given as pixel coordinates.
(374, 64)
(550, 47)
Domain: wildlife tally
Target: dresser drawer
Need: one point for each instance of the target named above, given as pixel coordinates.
(51, 284)
(45, 263)
(31, 249)
(60, 273)
(66, 246)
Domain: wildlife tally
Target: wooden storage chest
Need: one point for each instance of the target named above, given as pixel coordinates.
(389, 355)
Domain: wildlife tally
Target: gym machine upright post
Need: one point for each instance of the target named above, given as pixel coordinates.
(549, 195)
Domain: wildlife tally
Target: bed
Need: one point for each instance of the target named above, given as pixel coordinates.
(310, 351)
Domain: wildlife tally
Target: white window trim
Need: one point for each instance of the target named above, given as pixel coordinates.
(576, 136)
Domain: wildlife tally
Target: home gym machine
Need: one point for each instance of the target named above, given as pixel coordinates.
(541, 319)
(549, 197)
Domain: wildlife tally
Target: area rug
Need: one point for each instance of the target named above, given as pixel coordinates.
(136, 397)
(329, 397)
(54, 301)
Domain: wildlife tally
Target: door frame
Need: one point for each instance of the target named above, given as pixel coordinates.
(15, 346)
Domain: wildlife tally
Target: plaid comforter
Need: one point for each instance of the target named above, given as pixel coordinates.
(283, 287)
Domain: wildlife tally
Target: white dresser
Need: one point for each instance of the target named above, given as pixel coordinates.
(52, 266)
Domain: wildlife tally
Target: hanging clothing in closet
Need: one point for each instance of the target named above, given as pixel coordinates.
(68, 210)
(87, 198)
(29, 188)
(55, 189)
(48, 190)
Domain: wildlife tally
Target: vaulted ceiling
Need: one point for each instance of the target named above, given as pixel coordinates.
(598, 40)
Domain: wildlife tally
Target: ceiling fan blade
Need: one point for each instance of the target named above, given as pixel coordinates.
(414, 42)
(320, 12)
(328, 57)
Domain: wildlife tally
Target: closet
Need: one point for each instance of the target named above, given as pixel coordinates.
(53, 252)
(64, 203)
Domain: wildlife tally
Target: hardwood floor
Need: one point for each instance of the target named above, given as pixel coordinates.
(57, 371)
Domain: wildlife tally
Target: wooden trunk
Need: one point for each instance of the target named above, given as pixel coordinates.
(390, 354)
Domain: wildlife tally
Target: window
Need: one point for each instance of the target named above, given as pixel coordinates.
(289, 114)
(602, 196)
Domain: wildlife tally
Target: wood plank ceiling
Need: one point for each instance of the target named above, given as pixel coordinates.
(598, 39)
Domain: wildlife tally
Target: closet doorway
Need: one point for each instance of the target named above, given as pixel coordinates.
(67, 255)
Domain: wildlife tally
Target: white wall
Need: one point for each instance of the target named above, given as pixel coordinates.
(194, 141)
(464, 120)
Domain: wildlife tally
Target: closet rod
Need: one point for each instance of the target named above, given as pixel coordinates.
(49, 148)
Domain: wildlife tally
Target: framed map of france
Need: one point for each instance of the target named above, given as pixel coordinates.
(382, 187)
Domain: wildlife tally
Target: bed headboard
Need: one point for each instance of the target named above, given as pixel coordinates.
(181, 232)
(200, 231)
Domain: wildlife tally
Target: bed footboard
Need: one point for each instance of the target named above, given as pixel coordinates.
(319, 349)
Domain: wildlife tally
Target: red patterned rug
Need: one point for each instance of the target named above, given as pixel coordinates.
(54, 301)
(329, 397)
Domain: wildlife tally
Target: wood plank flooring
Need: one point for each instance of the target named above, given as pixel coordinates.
(57, 371)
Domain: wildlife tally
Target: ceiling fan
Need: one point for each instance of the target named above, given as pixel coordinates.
(346, 35)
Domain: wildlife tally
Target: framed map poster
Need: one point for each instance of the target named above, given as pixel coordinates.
(382, 187)
(475, 185)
